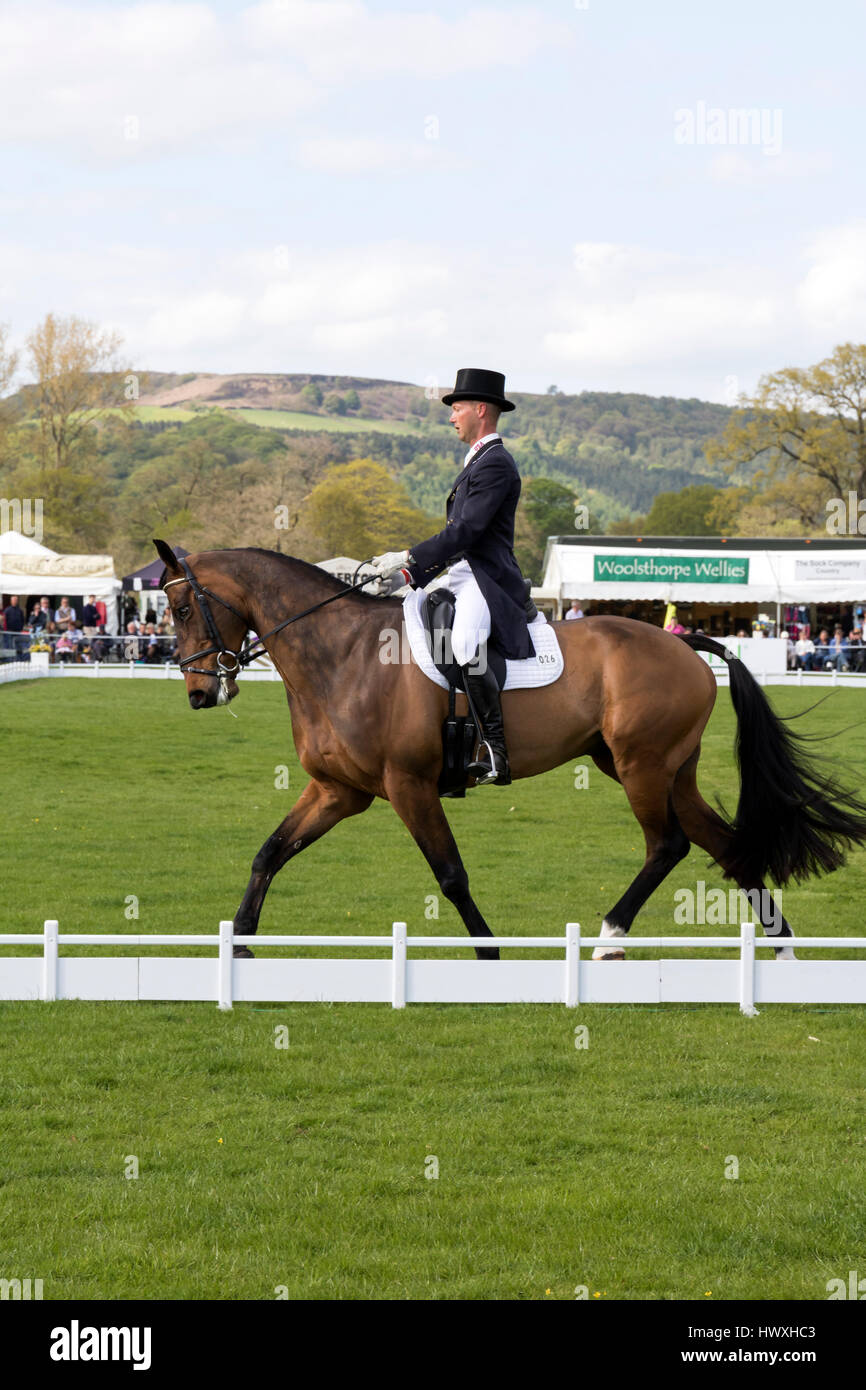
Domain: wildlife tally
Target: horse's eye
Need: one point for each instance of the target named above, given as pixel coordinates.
(184, 612)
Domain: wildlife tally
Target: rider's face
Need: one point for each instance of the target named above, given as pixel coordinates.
(466, 420)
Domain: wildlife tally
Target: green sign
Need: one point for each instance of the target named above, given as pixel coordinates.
(670, 569)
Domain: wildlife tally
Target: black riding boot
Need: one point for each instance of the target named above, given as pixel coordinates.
(483, 696)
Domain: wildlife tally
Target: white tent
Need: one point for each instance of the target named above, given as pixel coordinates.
(706, 569)
(30, 569)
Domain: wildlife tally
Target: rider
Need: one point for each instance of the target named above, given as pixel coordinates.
(477, 546)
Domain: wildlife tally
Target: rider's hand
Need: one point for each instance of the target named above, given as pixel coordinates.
(389, 563)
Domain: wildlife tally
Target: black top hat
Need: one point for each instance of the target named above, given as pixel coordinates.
(475, 384)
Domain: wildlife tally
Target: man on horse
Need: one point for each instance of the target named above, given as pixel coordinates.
(477, 546)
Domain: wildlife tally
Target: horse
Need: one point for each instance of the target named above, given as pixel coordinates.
(634, 698)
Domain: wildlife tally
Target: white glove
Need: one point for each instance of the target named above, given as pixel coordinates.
(389, 563)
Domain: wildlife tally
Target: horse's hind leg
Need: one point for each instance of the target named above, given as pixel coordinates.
(706, 828)
(320, 806)
(649, 791)
(417, 803)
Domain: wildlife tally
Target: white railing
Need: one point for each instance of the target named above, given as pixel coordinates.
(20, 671)
(266, 672)
(398, 980)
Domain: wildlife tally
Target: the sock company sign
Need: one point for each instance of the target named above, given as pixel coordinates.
(671, 569)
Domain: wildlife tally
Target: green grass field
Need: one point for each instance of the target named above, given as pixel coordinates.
(284, 419)
(304, 1168)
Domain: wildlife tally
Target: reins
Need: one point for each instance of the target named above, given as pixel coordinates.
(248, 651)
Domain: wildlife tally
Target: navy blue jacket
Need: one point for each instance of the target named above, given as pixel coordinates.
(480, 529)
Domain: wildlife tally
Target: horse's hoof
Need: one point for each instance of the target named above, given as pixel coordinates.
(242, 953)
(605, 953)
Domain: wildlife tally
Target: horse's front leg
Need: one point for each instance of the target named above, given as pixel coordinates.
(417, 803)
(320, 806)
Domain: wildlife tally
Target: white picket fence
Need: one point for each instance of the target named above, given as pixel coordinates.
(395, 979)
(264, 671)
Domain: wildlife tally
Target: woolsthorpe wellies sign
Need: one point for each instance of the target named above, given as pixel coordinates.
(671, 569)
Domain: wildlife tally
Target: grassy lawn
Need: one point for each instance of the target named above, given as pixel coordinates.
(286, 419)
(304, 1166)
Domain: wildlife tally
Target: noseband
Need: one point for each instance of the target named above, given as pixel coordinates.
(247, 653)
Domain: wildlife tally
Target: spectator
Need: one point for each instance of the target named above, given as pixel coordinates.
(132, 645)
(64, 648)
(90, 617)
(838, 651)
(65, 614)
(13, 621)
(43, 614)
(575, 611)
(856, 652)
(804, 649)
(14, 615)
(151, 644)
(821, 655)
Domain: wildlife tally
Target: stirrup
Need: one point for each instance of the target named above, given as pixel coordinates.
(496, 770)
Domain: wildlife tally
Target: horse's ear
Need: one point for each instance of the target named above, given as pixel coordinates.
(167, 555)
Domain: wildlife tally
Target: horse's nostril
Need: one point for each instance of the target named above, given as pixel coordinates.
(197, 698)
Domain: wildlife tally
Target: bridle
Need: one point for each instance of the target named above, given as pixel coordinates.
(247, 653)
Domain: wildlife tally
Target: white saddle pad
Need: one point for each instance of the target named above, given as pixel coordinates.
(541, 669)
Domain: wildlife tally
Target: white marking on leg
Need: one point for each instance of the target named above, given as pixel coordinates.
(606, 952)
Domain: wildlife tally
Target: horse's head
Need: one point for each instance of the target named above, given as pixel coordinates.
(209, 629)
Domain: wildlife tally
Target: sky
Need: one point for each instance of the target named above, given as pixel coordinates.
(562, 191)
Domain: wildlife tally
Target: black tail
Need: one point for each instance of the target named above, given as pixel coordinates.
(791, 821)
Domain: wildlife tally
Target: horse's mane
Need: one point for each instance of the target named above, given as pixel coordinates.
(321, 576)
(292, 564)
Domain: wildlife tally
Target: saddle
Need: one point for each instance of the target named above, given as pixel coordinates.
(459, 731)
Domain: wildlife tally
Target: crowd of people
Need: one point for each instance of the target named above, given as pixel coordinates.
(841, 652)
(70, 636)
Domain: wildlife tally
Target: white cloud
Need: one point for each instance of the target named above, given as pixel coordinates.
(342, 39)
(753, 168)
(127, 81)
(832, 294)
(360, 155)
(630, 305)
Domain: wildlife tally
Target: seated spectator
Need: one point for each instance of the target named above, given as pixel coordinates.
(856, 650)
(64, 648)
(65, 614)
(575, 611)
(821, 654)
(804, 654)
(837, 658)
(152, 645)
(132, 645)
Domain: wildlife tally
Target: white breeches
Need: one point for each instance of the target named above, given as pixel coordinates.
(471, 617)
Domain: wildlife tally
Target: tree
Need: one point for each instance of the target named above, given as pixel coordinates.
(78, 377)
(359, 510)
(312, 394)
(352, 400)
(684, 513)
(335, 404)
(802, 426)
(546, 508)
(8, 368)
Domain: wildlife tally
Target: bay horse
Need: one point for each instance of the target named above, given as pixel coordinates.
(633, 697)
